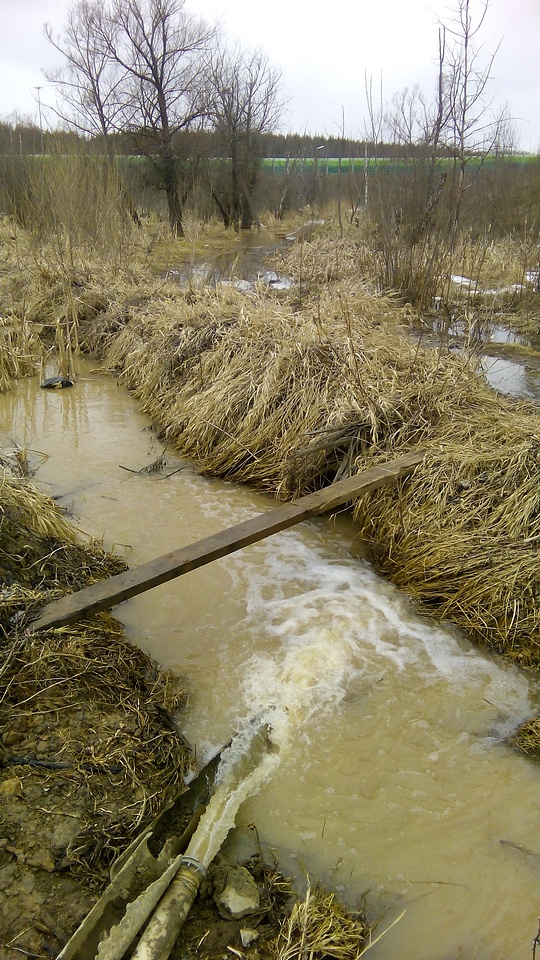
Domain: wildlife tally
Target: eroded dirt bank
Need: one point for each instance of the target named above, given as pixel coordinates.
(91, 741)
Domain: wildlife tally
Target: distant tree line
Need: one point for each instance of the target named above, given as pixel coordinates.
(24, 137)
(148, 79)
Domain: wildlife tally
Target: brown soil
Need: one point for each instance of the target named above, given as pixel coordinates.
(44, 901)
(76, 780)
(67, 808)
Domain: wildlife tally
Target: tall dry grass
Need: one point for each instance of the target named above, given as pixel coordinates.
(20, 350)
(70, 230)
(290, 397)
(74, 206)
(289, 393)
(239, 383)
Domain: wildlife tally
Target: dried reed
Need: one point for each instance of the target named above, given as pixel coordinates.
(259, 392)
(113, 740)
(319, 927)
(20, 349)
(527, 738)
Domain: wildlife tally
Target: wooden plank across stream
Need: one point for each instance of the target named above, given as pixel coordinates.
(107, 593)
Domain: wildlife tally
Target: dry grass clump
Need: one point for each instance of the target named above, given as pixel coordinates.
(20, 345)
(462, 534)
(20, 350)
(323, 260)
(240, 383)
(111, 750)
(496, 263)
(41, 553)
(230, 381)
(56, 305)
(527, 738)
(318, 927)
(258, 392)
(87, 720)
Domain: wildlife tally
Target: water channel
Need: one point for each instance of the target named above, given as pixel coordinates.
(393, 774)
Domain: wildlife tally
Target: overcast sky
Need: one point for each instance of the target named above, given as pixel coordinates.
(323, 48)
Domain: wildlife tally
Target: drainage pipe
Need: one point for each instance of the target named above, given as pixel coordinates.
(171, 912)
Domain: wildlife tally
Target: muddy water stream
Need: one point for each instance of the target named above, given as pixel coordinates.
(393, 774)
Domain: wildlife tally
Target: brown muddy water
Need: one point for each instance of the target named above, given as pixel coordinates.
(392, 774)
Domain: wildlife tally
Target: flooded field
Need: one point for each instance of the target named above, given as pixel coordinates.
(392, 775)
(245, 266)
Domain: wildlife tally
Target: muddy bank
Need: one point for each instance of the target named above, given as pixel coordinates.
(90, 731)
(92, 749)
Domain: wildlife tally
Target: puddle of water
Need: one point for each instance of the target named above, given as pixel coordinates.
(243, 266)
(498, 334)
(393, 772)
(507, 376)
(513, 379)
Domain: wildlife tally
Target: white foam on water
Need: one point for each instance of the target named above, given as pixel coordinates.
(328, 623)
(245, 766)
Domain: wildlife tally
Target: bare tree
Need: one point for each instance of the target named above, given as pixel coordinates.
(91, 84)
(405, 118)
(164, 52)
(89, 81)
(459, 122)
(470, 131)
(138, 66)
(244, 102)
(418, 125)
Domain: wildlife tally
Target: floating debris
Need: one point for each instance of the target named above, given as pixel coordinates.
(56, 383)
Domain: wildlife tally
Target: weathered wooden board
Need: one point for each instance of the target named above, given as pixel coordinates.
(107, 593)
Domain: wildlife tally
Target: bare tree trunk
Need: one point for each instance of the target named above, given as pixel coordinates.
(223, 209)
(173, 199)
(175, 212)
(249, 212)
(236, 196)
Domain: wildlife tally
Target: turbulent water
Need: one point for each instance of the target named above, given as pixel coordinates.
(385, 768)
